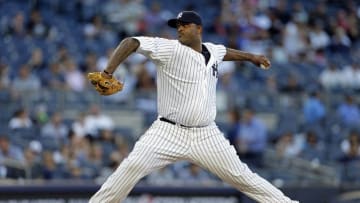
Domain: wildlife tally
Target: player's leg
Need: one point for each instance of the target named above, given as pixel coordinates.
(214, 153)
(155, 149)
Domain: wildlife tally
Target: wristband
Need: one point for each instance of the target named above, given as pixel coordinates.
(107, 73)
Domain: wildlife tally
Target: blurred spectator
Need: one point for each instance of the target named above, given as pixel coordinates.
(33, 161)
(93, 29)
(276, 27)
(317, 57)
(75, 172)
(340, 42)
(156, 17)
(162, 177)
(122, 145)
(90, 63)
(17, 25)
(313, 149)
(62, 54)
(354, 26)
(262, 21)
(94, 162)
(50, 169)
(227, 85)
(330, 77)
(349, 112)
(55, 128)
(319, 39)
(350, 76)
(145, 81)
(107, 143)
(97, 120)
(145, 86)
(37, 62)
(41, 114)
(25, 80)
(79, 126)
(295, 42)
(271, 84)
(85, 10)
(319, 13)
(9, 152)
(80, 147)
(292, 85)
(289, 145)
(251, 138)
(252, 37)
(36, 26)
(341, 19)
(82, 164)
(314, 109)
(282, 12)
(74, 78)
(278, 53)
(107, 170)
(4, 76)
(227, 81)
(350, 148)
(234, 126)
(36, 147)
(62, 156)
(125, 15)
(353, 136)
(195, 175)
(217, 27)
(20, 119)
(53, 77)
(299, 12)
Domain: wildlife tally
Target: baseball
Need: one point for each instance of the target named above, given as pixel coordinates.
(263, 66)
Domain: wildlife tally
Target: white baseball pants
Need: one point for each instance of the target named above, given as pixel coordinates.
(164, 143)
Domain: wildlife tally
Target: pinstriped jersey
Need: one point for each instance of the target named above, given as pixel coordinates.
(186, 86)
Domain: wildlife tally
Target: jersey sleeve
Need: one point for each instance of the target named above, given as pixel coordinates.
(221, 51)
(218, 50)
(157, 49)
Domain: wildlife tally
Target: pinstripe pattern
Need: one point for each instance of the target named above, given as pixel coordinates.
(165, 143)
(186, 86)
(186, 95)
(161, 145)
(213, 152)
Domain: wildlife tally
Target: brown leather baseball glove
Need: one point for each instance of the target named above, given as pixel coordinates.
(105, 86)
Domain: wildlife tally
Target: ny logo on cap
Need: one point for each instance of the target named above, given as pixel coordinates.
(179, 15)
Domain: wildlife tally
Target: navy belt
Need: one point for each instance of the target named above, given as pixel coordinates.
(173, 123)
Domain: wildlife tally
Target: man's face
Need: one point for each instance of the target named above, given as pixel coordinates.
(247, 116)
(188, 32)
(4, 144)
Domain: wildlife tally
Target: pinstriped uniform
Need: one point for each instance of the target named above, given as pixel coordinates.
(186, 86)
(186, 96)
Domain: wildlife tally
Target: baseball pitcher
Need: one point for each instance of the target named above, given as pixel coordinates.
(187, 73)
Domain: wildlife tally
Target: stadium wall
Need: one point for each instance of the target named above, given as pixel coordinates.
(80, 193)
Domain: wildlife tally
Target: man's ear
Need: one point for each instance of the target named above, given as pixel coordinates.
(200, 29)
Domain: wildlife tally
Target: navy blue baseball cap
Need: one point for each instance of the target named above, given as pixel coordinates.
(185, 17)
